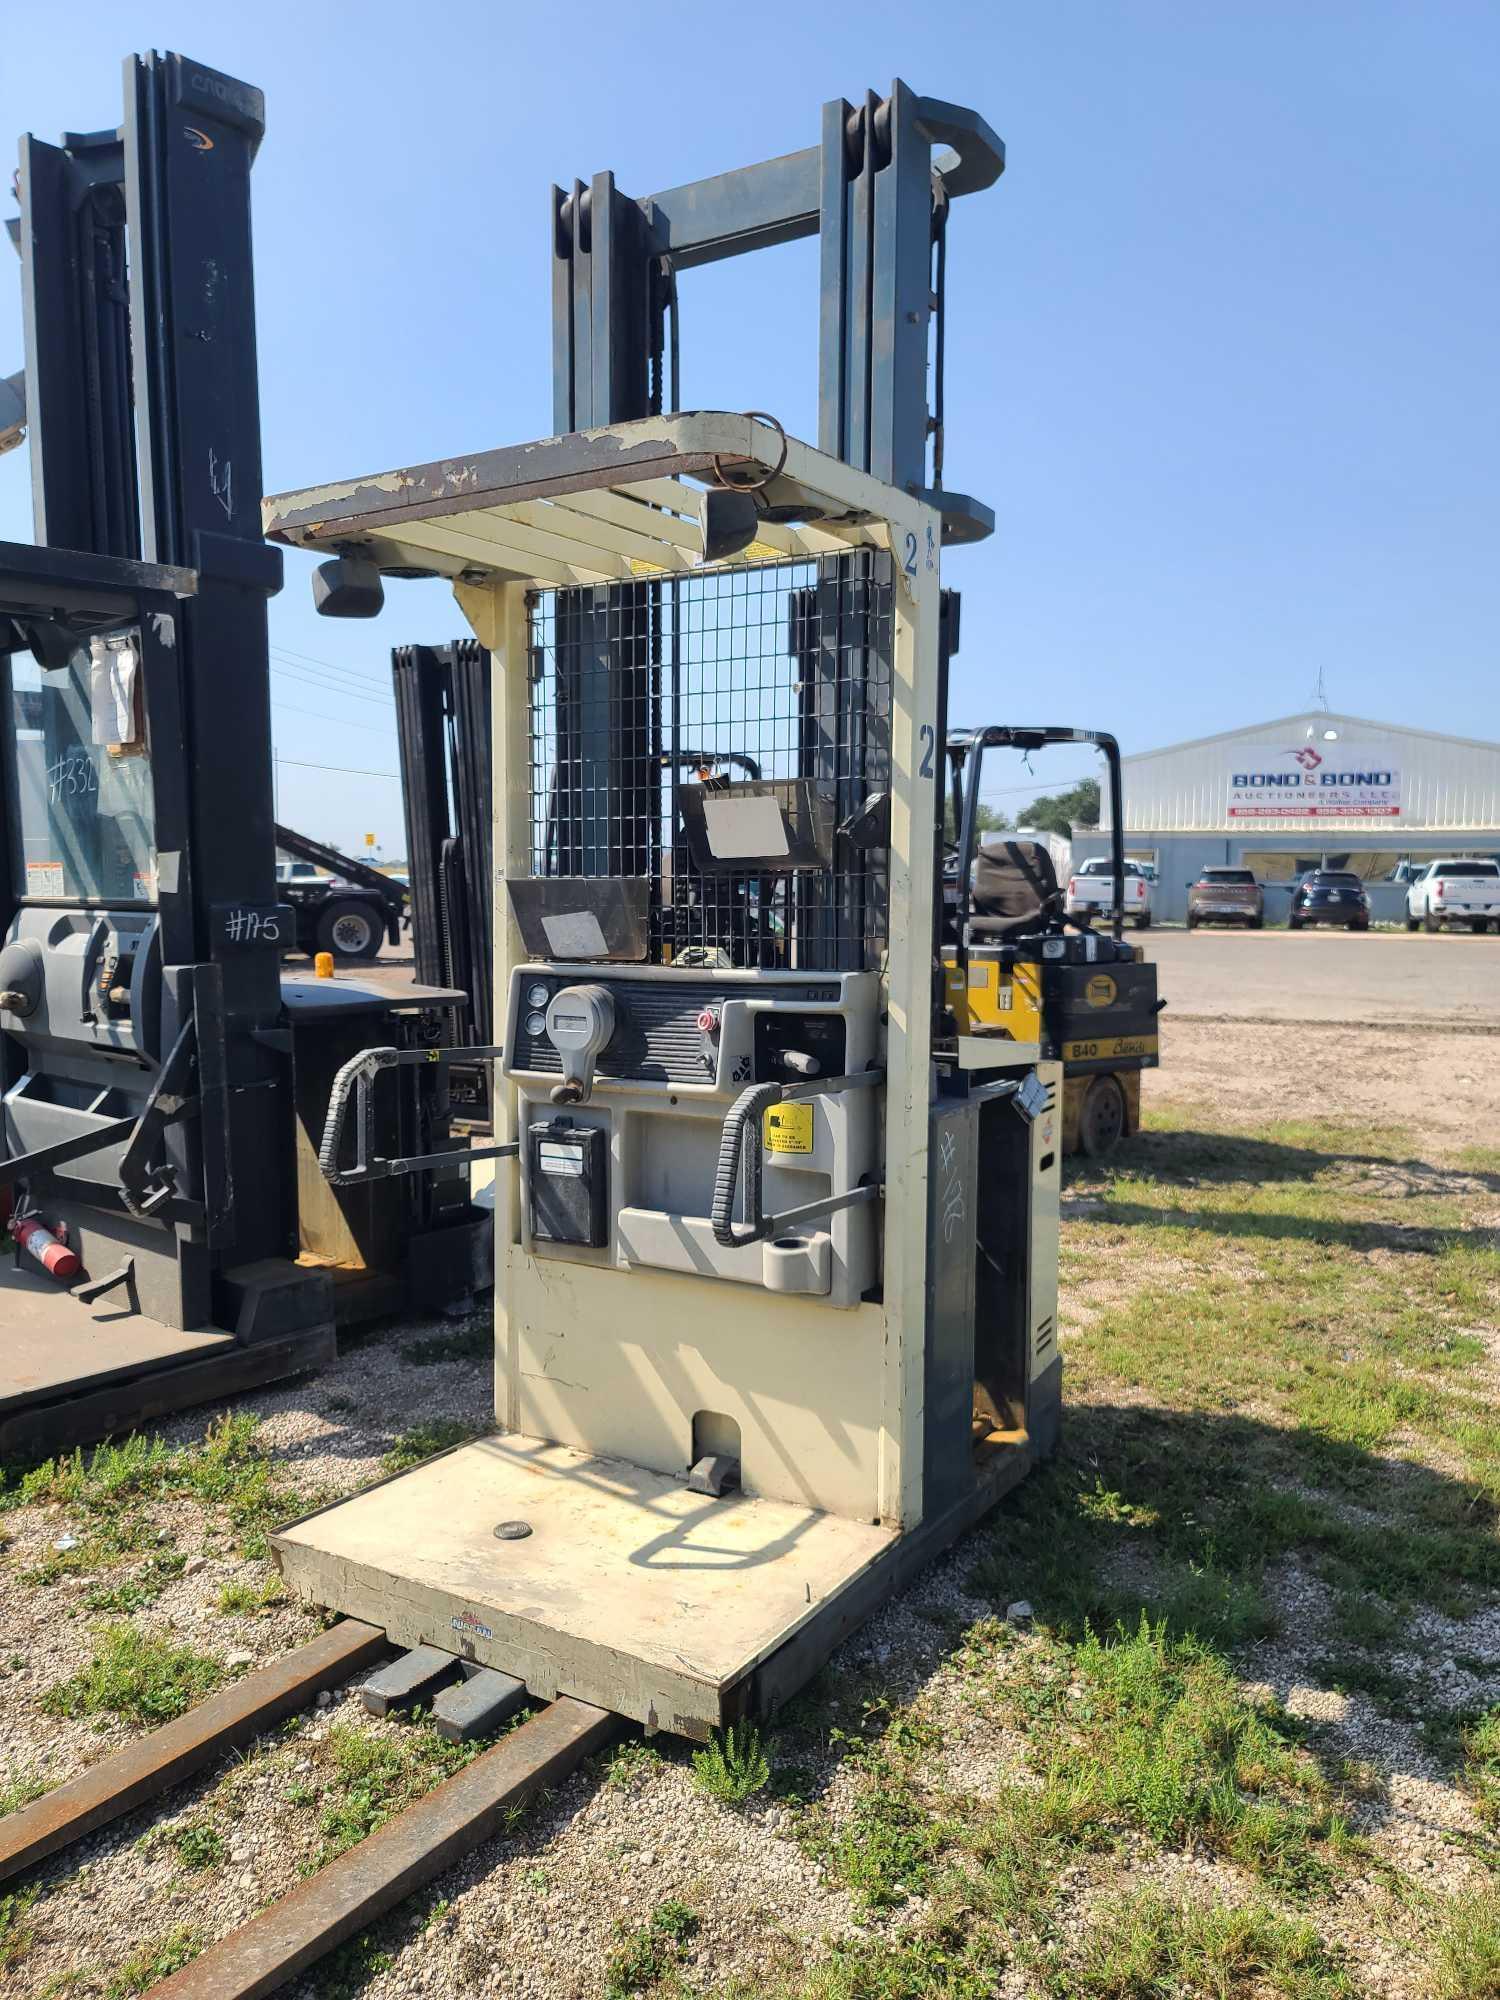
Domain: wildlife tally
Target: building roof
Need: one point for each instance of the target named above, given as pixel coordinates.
(1256, 732)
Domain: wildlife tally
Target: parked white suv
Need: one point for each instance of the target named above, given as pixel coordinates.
(1455, 892)
(1091, 893)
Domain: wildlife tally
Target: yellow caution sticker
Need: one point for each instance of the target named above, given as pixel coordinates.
(1117, 1046)
(789, 1128)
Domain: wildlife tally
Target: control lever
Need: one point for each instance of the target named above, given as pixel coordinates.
(580, 1026)
(357, 1080)
(740, 1140)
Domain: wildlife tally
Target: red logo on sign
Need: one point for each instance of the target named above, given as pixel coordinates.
(1308, 758)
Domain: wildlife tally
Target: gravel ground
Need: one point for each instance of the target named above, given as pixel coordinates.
(538, 1909)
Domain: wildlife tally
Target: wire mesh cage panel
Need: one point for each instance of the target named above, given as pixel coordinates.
(763, 688)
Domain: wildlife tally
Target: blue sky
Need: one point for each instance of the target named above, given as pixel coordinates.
(1222, 347)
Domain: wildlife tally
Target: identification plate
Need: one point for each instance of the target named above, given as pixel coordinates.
(1110, 1045)
(788, 1128)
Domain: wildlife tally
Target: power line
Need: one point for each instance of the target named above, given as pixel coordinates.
(312, 660)
(344, 770)
(344, 721)
(1004, 791)
(332, 687)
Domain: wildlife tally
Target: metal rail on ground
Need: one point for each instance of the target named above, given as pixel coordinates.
(419, 1843)
(143, 1769)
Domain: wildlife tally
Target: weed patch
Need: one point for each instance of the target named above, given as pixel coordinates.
(648, 1953)
(374, 1776)
(427, 1440)
(142, 1676)
(156, 1959)
(230, 1470)
(17, 1933)
(199, 1845)
(1466, 1955)
(472, 1342)
(734, 1766)
(1143, 1945)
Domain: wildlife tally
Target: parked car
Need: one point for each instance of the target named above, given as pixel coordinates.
(1455, 892)
(1329, 896)
(1226, 896)
(1091, 893)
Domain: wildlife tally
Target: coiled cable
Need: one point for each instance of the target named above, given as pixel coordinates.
(744, 1114)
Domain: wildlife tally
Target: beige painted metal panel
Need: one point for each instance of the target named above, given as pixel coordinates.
(619, 1361)
(629, 1592)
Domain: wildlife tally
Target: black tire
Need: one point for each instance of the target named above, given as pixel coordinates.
(1257, 923)
(350, 929)
(1293, 924)
(1414, 923)
(1192, 922)
(1431, 924)
(1479, 926)
(1101, 1122)
(1143, 923)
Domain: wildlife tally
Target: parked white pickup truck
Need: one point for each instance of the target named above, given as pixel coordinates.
(1455, 892)
(1091, 893)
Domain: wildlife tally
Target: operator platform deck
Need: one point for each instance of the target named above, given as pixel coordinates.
(629, 1591)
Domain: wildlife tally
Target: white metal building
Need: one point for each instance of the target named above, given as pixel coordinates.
(1302, 792)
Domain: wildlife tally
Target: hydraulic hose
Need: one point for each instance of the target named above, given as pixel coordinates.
(744, 1115)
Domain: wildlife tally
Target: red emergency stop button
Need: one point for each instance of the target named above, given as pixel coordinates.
(708, 1020)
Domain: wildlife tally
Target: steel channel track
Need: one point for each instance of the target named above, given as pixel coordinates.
(142, 1770)
(357, 1887)
(419, 1843)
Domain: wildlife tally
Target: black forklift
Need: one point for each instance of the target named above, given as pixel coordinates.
(1015, 966)
(162, 1086)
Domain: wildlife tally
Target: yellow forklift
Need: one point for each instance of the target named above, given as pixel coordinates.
(1016, 968)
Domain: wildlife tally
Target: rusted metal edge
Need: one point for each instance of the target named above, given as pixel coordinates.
(408, 1851)
(143, 1769)
(572, 463)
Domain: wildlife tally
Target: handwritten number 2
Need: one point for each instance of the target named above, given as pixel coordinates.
(925, 738)
(911, 553)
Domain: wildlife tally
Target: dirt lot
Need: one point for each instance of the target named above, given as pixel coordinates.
(1282, 1453)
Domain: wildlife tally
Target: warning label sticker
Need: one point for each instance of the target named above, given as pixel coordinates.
(789, 1128)
(45, 878)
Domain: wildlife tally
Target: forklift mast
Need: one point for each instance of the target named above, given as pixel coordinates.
(138, 898)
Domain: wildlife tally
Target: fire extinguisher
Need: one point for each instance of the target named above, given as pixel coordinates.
(49, 1250)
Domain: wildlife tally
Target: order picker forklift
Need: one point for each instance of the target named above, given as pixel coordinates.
(775, 1309)
(1011, 968)
(161, 1088)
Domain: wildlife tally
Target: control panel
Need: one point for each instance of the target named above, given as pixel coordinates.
(627, 1080)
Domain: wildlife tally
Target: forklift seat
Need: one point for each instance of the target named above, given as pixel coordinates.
(1015, 889)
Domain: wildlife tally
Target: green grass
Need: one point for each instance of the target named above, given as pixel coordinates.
(199, 1845)
(473, 1342)
(231, 1470)
(1466, 1954)
(373, 1776)
(345, 1973)
(145, 1677)
(17, 1933)
(1481, 1767)
(733, 1766)
(630, 1763)
(649, 1952)
(426, 1440)
(1143, 1945)
(1151, 1735)
(156, 1959)
(17, 1790)
(245, 1599)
